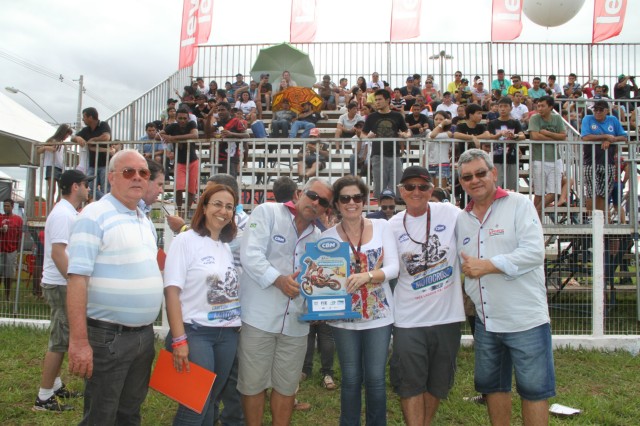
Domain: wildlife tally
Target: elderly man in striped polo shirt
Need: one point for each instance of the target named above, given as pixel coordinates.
(114, 295)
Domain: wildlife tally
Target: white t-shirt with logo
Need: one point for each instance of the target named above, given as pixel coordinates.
(205, 272)
(429, 291)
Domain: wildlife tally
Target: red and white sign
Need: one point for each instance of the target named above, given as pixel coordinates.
(303, 21)
(506, 20)
(608, 19)
(196, 28)
(405, 19)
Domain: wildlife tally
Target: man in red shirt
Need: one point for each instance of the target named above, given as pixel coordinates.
(10, 234)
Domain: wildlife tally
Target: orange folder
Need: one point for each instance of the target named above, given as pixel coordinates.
(189, 389)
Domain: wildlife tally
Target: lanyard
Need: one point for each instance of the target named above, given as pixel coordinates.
(424, 245)
(356, 253)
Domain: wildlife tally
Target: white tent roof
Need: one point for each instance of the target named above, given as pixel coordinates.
(19, 129)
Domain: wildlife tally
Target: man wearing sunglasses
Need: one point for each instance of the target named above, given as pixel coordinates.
(428, 306)
(387, 206)
(114, 295)
(273, 341)
(501, 246)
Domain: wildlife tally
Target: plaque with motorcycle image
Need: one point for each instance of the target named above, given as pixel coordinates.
(323, 276)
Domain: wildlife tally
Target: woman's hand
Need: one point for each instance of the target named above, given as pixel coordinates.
(355, 281)
(181, 358)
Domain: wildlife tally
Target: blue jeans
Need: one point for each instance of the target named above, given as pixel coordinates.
(257, 127)
(101, 180)
(388, 176)
(301, 125)
(213, 348)
(120, 380)
(529, 352)
(232, 414)
(363, 358)
(326, 347)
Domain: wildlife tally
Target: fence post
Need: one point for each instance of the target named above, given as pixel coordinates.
(597, 262)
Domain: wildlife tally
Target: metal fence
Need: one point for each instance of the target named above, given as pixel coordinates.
(591, 266)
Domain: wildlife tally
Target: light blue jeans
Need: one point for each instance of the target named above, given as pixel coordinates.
(213, 348)
(301, 125)
(363, 359)
(101, 180)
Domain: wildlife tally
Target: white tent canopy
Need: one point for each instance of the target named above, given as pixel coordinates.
(19, 130)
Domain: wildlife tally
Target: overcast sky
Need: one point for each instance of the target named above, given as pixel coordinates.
(125, 47)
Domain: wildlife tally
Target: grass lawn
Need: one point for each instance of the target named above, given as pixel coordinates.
(604, 385)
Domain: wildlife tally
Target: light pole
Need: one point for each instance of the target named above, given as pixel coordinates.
(441, 57)
(14, 90)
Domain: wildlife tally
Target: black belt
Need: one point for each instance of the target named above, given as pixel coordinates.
(114, 327)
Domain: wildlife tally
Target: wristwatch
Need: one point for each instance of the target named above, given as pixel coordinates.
(370, 276)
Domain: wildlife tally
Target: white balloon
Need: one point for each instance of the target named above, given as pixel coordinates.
(551, 13)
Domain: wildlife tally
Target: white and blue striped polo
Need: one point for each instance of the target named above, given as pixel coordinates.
(115, 247)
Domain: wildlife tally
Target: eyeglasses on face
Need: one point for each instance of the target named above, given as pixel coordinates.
(220, 205)
(387, 207)
(423, 187)
(129, 173)
(479, 175)
(346, 199)
(313, 196)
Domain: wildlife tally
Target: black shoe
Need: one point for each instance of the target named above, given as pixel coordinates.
(51, 404)
(64, 392)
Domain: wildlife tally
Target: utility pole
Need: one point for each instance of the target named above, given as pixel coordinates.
(79, 116)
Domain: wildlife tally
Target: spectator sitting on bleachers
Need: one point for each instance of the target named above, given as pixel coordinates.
(536, 91)
(572, 83)
(230, 152)
(188, 95)
(519, 110)
(306, 121)
(154, 149)
(201, 110)
(472, 129)
(448, 105)
(211, 91)
(417, 122)
(346, 123)
(480, 94)
(463, 94)
(455, 84)
(554, 86)
(316, 155)
(343, 94)
(265, 89)
(516, 86)
(500, 83)
(171, 103)
(397, 101)
(327, 91)
(460, 116)
(431, 94)
(409, 93)
(239, 87)
(281, 122)
(201, 89)
(247, 106)
(504, 129)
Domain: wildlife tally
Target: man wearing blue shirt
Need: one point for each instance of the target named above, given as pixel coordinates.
(600, 131)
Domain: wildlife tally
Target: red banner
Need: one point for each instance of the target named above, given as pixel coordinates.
(189, 33)
(506, 20)
(205, 16)
(405, 19)
(303, 21)
(196, 28)
(608, 19)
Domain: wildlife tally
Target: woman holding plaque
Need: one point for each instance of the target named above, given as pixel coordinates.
(201, 292)
(363, 344)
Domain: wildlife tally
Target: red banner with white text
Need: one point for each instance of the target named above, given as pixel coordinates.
(205, 16)
(506, 20)
(196, 28)
(303, 21)
(405, 19)
(608, 19)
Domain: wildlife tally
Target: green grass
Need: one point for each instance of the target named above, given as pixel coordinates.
(604, 385)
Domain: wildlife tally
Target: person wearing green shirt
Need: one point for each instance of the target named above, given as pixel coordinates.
(546, 166)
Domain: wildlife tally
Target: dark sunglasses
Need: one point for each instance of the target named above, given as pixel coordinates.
(480, 175)
(423, 187)
(129, 173)
(387, 207)
(313, 196)
(346, 199)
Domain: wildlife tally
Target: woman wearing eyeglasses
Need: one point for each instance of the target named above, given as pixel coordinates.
(363, 344)
(201, 292)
